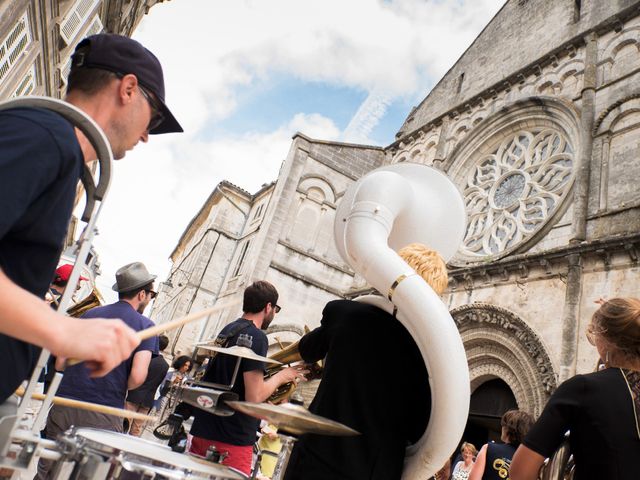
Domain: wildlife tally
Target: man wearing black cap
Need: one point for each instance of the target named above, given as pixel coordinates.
(134, 285)
(118, 83)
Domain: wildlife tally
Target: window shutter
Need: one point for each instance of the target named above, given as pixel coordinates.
(14, 45)
(95, 27)
(28, 83)
(75, 19)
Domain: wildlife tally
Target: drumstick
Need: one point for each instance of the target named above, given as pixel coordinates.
(93, 407)
(173, 324)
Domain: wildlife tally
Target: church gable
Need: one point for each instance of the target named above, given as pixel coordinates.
(519, 41)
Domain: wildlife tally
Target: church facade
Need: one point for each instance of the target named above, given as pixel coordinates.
(538, 124)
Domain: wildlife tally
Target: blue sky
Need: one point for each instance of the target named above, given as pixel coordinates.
(266, 105)
(242, 76)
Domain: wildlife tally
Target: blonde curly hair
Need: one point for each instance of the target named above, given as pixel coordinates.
(428, 264)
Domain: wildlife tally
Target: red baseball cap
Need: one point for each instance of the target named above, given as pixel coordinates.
(63, 272)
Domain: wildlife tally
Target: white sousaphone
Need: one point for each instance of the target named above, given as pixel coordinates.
(384, 211)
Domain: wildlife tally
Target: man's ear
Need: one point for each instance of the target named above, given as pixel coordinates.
(127, 86)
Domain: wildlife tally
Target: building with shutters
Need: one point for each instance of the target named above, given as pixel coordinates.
(37, 39)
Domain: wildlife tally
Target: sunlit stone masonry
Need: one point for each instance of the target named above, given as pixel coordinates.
(538, 124)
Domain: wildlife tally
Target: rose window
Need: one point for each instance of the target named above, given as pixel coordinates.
(512, 192)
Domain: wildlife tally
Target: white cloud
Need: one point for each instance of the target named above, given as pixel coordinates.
(160, 186)
(211, 49)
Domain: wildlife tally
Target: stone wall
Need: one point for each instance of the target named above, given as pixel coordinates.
(523, 37)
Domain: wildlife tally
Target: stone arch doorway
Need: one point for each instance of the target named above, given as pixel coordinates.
(488, 402)
(507, 360)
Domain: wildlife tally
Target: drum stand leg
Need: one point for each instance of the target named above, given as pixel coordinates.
(283, 457)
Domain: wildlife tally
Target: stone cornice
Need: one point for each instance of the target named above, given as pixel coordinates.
(550, 262)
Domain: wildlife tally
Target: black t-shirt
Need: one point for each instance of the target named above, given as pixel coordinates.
(375, 381)
(238, 429)
(40, 165)
(498, 461)
(598, 409)
(145, 393)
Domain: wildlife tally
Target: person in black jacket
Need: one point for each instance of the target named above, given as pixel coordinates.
(141, 399)
(374, 381)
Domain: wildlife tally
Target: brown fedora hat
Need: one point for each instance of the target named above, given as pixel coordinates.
(132, 276)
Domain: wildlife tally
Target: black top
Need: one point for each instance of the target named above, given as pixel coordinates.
(498, 461)
(598, 409)
(145, 394)
(238, 429)
(40, 165)
(375, 381)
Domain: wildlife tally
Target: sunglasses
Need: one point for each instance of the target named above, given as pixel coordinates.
(157, 116)
(591, 333)
(277, 308)
(152, 293)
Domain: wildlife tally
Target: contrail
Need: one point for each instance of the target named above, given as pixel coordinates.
(367, 117)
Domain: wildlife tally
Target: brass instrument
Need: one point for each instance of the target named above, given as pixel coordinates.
(288, 355)
(560, 465)
(93, 300)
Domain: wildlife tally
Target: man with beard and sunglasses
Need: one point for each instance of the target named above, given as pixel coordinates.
(235, 435)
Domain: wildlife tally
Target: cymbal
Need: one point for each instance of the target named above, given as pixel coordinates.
(238, 351)
(293, 418)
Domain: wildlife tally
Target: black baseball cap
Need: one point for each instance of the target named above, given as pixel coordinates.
(123, 55)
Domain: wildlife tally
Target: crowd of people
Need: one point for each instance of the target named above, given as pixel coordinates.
(119, 84)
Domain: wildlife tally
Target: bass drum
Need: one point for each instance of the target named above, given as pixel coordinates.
(92, 454)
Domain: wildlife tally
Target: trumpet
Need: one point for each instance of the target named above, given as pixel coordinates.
(93, 300)
(288, 355)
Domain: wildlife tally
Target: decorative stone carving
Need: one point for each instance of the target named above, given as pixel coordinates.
(511, 192)
(502, 345)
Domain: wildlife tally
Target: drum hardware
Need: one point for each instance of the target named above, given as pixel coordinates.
(214, 455)
(236, 351)
(102, 455)
(240, 352)
(208, 399)
(294, 419)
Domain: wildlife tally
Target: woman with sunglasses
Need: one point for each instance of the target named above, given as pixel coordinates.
(601, 409)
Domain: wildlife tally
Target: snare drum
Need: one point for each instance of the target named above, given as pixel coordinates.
(91, 454)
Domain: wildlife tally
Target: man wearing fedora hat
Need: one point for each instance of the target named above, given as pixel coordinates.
(134, 285)
(120, 85)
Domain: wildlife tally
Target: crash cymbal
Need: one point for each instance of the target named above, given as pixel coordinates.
(238, 351)
(293, 418)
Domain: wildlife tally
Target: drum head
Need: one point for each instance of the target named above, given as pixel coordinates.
(157, 455)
